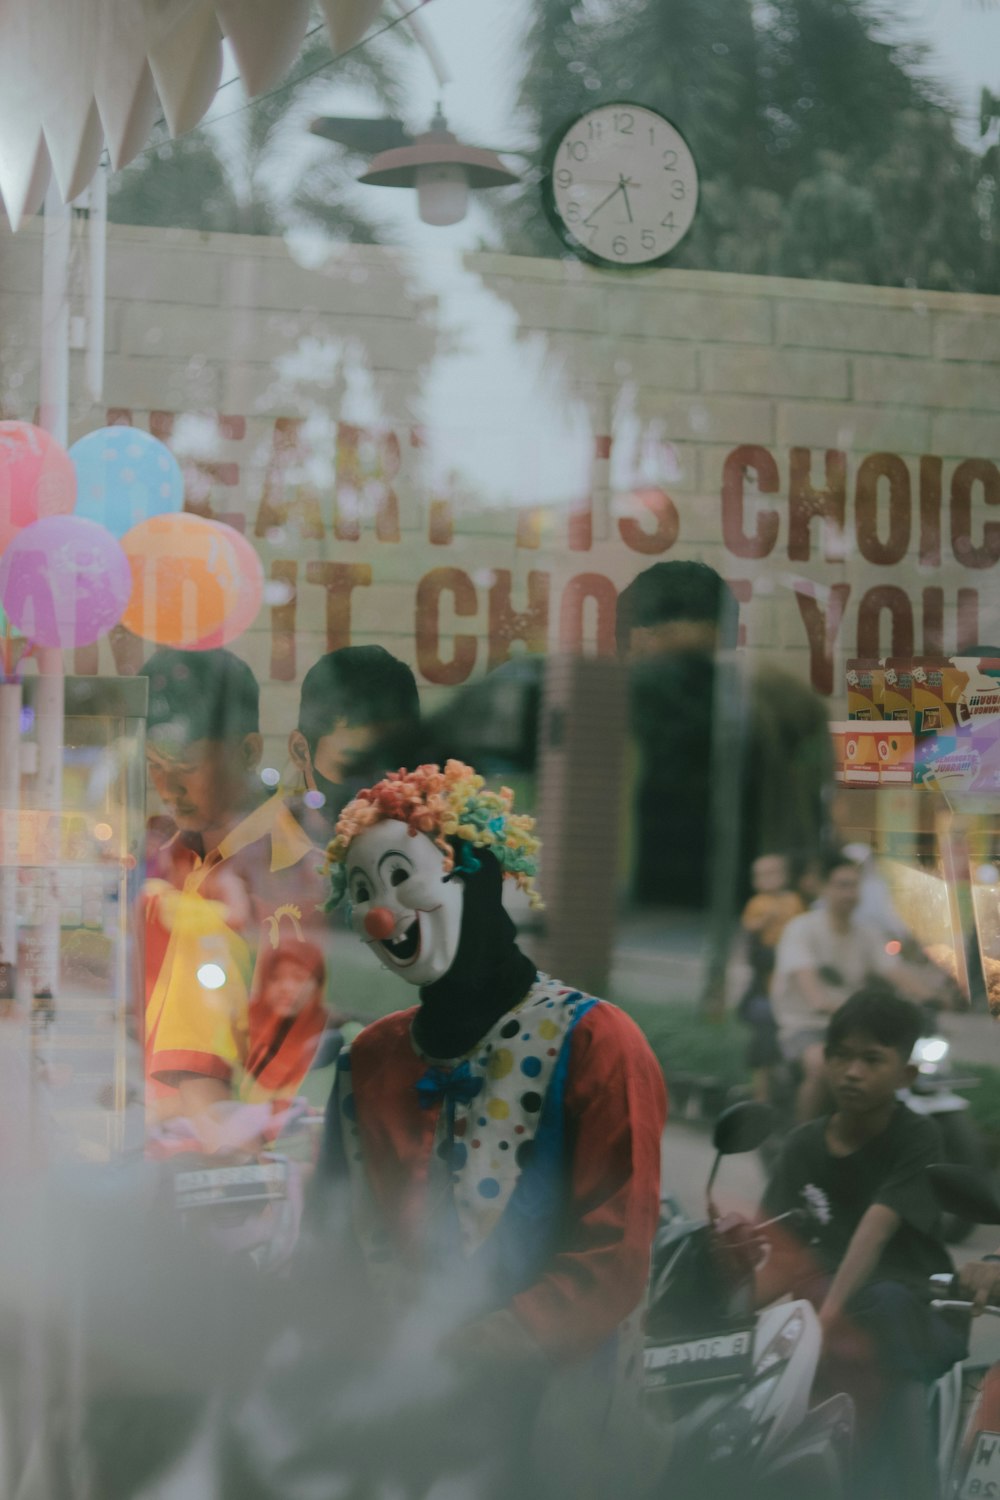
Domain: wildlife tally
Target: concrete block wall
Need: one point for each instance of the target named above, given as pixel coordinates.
(492, 376)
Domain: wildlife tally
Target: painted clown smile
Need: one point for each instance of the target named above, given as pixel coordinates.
(406, 949)
(402, 905)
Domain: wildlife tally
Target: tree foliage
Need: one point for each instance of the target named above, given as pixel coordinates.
(824, 149)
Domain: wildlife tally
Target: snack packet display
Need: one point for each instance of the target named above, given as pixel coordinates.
(984, 738)
(861, 760)
(945, 763)
(979, 702)
(839, 729)
(894, 742)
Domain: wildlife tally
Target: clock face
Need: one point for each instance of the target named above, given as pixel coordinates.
(622, 185)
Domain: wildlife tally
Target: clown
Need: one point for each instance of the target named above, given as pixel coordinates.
(504, 1133)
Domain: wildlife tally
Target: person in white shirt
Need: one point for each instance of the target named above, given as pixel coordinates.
(823, 957)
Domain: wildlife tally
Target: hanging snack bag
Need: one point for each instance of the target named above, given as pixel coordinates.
(897, 690)
(864, 688)
(939, 760)
(937, 688)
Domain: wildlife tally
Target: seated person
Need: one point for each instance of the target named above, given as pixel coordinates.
(238, 881)
(764, 919)
(352, 700)
(860, 1176)
(823, 956)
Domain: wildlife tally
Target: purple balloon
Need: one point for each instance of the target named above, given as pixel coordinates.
(64, 581)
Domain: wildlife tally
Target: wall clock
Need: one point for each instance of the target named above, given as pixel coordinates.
(621, 186)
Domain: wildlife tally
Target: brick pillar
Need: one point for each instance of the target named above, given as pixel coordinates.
(581, 765)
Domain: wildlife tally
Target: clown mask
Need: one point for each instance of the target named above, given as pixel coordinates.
(403, 904)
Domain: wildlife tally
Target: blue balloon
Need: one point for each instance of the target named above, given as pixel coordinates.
(124, 476)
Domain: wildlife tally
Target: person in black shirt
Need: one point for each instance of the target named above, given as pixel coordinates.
(873, 1236)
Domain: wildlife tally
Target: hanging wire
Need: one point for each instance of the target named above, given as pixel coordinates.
(283, 88)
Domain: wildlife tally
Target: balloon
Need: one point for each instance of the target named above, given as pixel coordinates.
(124, 476)
(37, 478)
(64, 581)
(250, 589)
(185, 580)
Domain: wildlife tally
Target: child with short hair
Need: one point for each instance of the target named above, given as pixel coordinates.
(764, 919)
(861, 1176)
(352, 702)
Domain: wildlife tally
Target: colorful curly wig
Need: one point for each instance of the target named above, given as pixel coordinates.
(445, 805)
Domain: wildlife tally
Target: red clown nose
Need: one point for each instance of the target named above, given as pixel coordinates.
(380, 923)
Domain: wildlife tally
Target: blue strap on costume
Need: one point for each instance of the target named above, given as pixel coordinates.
(333, 1157)
(522, 1242)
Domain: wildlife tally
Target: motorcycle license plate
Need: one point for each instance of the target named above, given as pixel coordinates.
(720, 1356)
(254, 1183)
(982, 1478)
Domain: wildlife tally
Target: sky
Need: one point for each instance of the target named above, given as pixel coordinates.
(964, 37)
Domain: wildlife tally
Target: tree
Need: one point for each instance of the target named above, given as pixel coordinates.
(824, 150)
(180, 184)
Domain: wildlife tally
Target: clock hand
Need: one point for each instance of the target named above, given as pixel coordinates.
(600, 205)
(623, 184)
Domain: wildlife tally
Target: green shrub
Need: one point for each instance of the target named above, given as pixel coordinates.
(685, 1042)
(984, 1103)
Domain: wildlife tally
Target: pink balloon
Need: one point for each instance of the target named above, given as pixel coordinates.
(64, 581)
(37, 479)
(250, 587)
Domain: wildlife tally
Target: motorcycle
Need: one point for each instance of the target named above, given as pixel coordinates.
(244, 1192)
(733, 1385)
(934, 1093)
(965, 1402)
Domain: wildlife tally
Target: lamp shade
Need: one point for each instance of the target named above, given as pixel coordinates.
(436, 148)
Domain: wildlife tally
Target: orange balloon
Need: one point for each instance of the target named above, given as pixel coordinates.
(185, 580)
(250, 590)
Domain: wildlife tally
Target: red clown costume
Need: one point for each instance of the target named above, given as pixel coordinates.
(504, 1133)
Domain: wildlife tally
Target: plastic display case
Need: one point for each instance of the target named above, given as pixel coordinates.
(84, 862)
(940, 856)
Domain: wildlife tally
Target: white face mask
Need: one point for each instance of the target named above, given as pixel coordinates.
(403, 907)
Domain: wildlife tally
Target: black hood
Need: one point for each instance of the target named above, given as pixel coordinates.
(490, 974)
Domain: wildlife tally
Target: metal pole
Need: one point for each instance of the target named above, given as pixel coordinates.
(10, 806)
(97, 244)
(54, 405)
(54, 375)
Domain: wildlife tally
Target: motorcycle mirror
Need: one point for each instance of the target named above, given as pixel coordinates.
(963, 1192)
(742, 1127)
